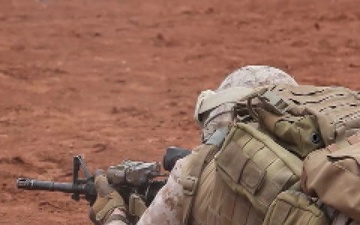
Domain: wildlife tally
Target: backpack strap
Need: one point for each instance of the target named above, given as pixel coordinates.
(196, 162)
(271, 101)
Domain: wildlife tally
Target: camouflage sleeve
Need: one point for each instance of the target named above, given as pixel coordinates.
(166, 207)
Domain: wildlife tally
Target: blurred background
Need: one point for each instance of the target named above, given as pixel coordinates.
(118, 79)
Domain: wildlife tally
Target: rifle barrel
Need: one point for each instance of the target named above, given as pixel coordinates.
(31, 184)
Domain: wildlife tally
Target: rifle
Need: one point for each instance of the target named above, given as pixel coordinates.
(136, 181)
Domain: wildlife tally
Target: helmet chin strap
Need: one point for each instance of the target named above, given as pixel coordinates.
(221, 120)
(199, 104)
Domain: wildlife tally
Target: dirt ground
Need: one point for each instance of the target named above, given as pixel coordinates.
(117, 79)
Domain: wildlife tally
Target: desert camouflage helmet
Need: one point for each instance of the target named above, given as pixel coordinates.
(247, 77)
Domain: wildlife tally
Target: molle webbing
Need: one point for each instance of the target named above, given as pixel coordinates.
(252, 164)
(354, 139)
(337, 109)
(295, 208)
(196, 162)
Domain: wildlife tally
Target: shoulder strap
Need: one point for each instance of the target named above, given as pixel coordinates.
(194, 167)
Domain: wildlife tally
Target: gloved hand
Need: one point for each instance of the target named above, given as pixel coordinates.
(106, 202)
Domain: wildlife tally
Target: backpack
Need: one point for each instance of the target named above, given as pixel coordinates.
(276, 128)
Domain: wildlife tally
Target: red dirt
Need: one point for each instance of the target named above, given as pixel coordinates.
(114, 80)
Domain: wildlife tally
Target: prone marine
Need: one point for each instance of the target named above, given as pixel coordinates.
(272, 152)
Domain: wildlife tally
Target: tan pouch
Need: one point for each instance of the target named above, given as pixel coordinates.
(333, 175)
(299, 134)
(336, 109)
(252, 164)
(294, 208)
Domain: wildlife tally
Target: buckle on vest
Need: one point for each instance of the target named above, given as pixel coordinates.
(189, 184)
(274, 102)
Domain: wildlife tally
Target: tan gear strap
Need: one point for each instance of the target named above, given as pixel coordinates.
(191, 172)
(136, 205)
(272, 101)
(208, 99)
